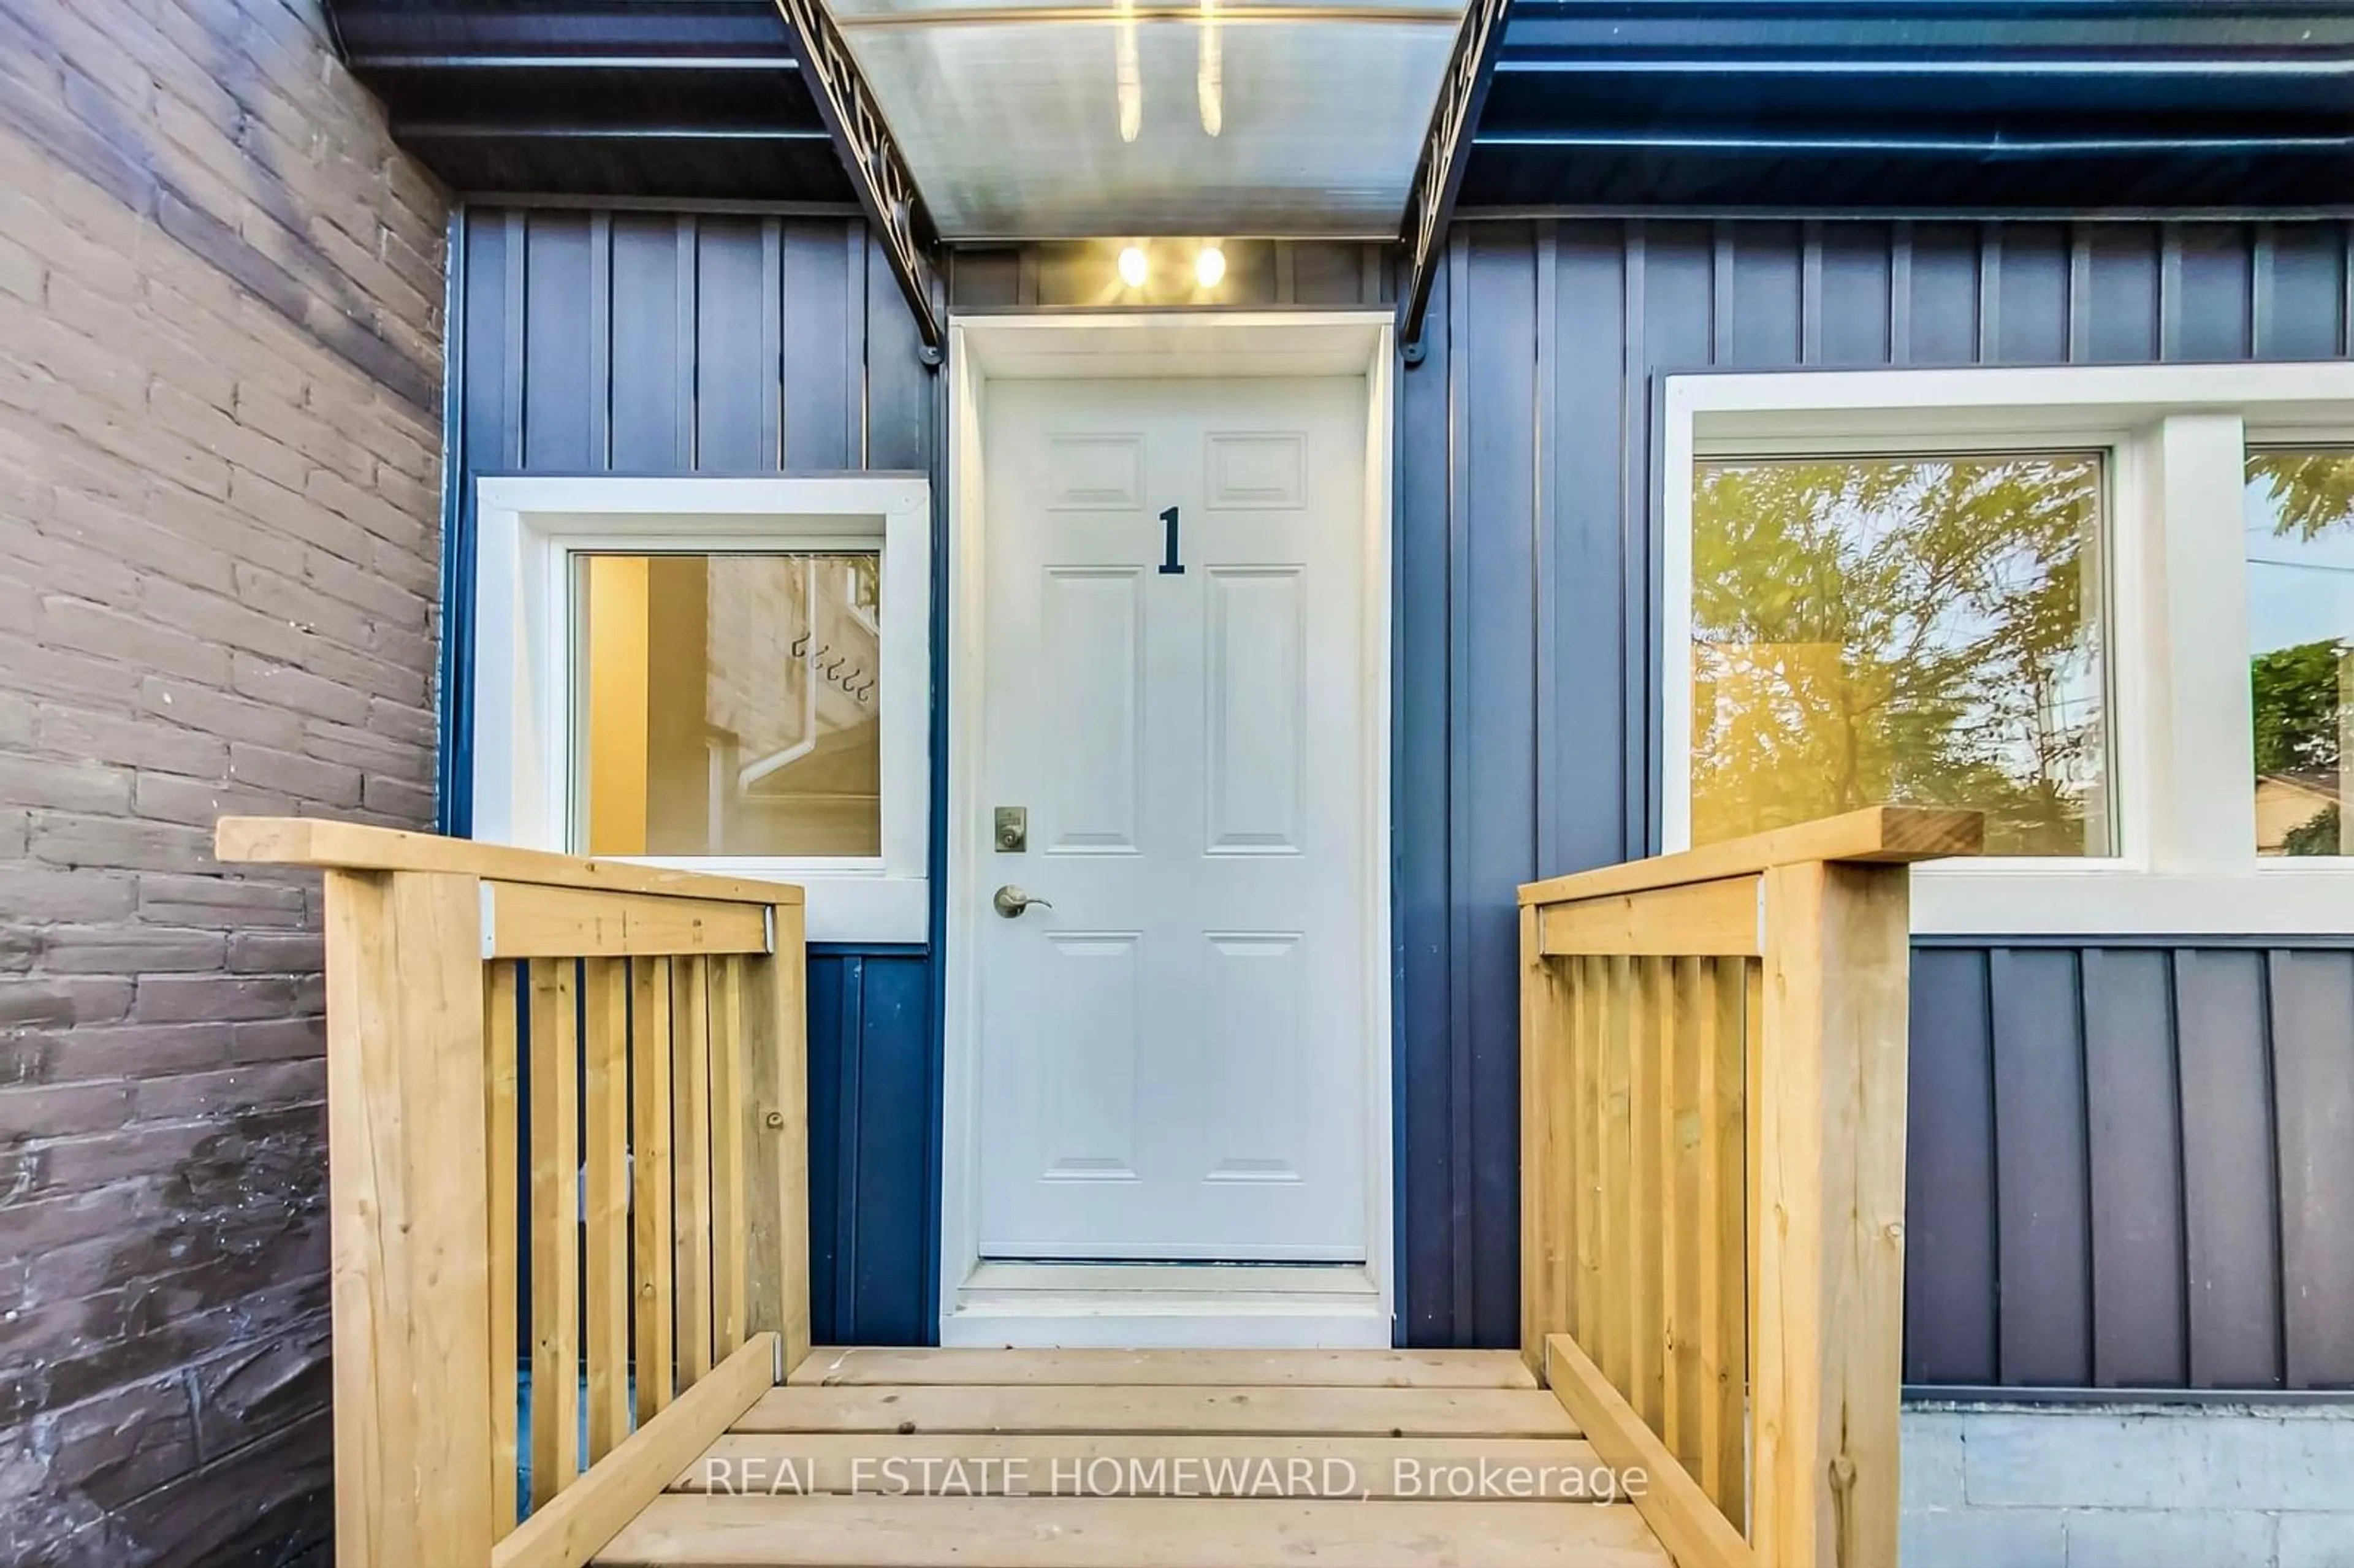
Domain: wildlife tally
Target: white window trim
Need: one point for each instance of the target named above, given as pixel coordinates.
(528, 530)
(2183, 729)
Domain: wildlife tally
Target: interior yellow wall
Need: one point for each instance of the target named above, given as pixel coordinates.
(616, 660)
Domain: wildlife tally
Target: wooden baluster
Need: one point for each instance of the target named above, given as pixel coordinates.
(728, 1239)
(1590, 1024)
(501, 1175)
(776, 1110)
(554, 1230)
(1723, 1245)
(691, 1155)
(605, 992)
(1619, 1213)
(650, 1141)
(1681, 1132)
(1653, 1218)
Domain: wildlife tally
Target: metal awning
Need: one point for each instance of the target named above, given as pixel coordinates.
(1035, 119)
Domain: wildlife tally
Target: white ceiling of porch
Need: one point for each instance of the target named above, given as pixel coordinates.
(1035, 121)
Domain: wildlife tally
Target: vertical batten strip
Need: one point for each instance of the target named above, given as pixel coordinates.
(605, 990)
(555, 1231)
(691, 1112)
(650, 1109)
(502, 1177)
(727, 1256)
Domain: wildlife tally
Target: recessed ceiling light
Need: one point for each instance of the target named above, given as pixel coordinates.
(1210, 267)
(1134, 268)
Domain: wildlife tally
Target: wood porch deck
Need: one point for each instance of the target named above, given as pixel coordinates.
(915, 1458)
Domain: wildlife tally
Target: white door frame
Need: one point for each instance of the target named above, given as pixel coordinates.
(998, 1303)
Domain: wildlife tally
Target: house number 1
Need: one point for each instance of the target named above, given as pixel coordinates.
(1168, 561)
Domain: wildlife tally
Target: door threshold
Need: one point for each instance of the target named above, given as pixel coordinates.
(1060, 1306)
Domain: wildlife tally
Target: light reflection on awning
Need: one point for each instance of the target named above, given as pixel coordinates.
(1141, 117)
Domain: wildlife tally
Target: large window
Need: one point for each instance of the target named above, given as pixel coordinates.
(1915, 630)
(2300, 528)
(2110, 607)
(727, 675)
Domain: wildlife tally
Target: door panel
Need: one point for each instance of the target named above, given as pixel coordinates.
(1173, 1056)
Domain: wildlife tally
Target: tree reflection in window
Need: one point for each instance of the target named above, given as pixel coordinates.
(2299, 519)
(1913, 629)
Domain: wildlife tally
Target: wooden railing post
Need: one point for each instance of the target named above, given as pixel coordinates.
(1826, 1240)
(409, 1216)
(1714, 1055)
(1548, 1194)
(775, 1111)
(654, 1021)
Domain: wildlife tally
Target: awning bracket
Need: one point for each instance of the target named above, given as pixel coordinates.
(1445, 148)
(894, 207)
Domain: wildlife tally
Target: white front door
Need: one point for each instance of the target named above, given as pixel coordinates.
(1173, 1053)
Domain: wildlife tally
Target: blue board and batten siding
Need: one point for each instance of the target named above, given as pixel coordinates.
(2164, 1203)
(652, 343)
(2132, 1166)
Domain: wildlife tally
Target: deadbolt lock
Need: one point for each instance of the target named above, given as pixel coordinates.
(1012, 828)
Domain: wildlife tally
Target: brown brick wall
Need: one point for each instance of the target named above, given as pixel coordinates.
(220, 340)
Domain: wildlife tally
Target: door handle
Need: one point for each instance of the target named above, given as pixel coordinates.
(1010, 901)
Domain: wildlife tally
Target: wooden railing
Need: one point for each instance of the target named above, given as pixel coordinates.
(1712, 1177)
(568, 1088)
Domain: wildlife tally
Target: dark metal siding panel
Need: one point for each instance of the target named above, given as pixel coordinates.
(1583, 778)
(2043, 1254)
(893, 1260)
(1949, 1222)
(668, 343)
(870, 1071)
(1853, 316)
(735, 392)
(832, 1077)
(2313, 1069)
(1426, 1036)
(824, 288)
(1757, 288)
(652, 379)
(2229, 1177)
(1493, 793)
(2300, 291)
(2135, 1133)
(558, 322)
(2117, 307)
(2029, 294)
(2210, 295)
(1942, 265)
